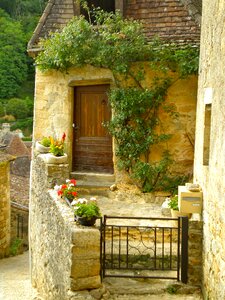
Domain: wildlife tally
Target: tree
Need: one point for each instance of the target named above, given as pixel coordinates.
(17, 108)
(13, 60)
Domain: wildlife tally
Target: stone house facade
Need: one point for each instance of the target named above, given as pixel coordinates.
(209, 170)
(58, 94)
(5, 209)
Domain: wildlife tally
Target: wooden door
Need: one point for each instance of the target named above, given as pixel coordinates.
(92, 147)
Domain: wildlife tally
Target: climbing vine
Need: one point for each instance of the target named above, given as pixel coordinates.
(118, 44)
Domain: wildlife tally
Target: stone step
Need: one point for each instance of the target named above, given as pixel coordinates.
(93, 183)
(129, 288)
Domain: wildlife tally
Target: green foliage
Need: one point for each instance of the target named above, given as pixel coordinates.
(134, 121)
(172, 289)
(57, 146)
(111, 42)
(173, 204)
(13, 70)
(46, 142)
(26, 125)
(15, 246)
(17, 108)
(2, 110)
(87, 210)
(116, 43)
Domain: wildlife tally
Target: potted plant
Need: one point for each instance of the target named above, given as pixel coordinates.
(57, 147)
(173, 204)
(86, 211)
(44, 145)
(68, 190)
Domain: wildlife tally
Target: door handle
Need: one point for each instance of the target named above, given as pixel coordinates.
(75, 127)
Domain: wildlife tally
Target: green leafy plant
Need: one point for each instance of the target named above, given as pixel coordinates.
(173, 203)
(57, 146)
(45, 141)
(86, 208)
(172, 289)
(15, 247)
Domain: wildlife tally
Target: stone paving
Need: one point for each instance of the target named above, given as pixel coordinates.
(15, 278)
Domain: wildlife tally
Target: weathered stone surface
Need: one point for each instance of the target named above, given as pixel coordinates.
(85, 268)
(86, 283)
(211, 176)
(54, 100)
(5, 206)
(57, 244)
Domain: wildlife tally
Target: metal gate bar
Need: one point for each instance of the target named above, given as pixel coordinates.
(143, 250)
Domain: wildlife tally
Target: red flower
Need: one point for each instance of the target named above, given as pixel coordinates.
(64, 186)
(60, 193)
(73, 181)
(74, 194)
(63, 137)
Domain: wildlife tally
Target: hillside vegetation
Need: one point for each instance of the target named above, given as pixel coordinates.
(18, 19)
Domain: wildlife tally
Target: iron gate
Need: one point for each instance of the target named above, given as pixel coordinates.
(144, 247)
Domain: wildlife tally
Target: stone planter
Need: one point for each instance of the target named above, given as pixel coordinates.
(56, 160)
(85, 222)
(40, 148)
(177, 213)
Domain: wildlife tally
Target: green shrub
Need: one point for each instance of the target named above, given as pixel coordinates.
(15, 247)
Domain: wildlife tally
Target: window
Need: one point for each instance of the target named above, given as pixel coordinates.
(207, 130)
(106, 5)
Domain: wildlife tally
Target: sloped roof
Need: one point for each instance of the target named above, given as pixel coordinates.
(14, 145)
(55, 16)
(174, 20)
(171, 20)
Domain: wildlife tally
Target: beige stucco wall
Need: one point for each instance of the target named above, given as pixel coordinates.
(54, 109)
(212, 177)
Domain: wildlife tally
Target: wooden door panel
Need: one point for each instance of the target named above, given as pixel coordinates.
(92, 150)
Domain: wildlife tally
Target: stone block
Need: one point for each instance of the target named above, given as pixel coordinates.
(86, 252)
(85, 268)
(85, 283)
(88, 235)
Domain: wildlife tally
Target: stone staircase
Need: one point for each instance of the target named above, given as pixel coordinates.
(93, 183)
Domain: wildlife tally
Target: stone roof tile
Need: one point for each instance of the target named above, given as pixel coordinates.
(172, 20)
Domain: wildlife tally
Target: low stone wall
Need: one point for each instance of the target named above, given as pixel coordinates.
(4, 206)
(65, 257)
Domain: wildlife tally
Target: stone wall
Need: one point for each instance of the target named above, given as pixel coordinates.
(211, 175)
(195, 237)
(54, 98)
(4, 205)
(19, 223)
(65, 257)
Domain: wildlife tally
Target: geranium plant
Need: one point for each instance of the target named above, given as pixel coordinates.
(86, 208)
(57, 146)
(67, 190)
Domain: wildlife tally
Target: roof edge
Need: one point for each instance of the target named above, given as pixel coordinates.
(39, 26)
